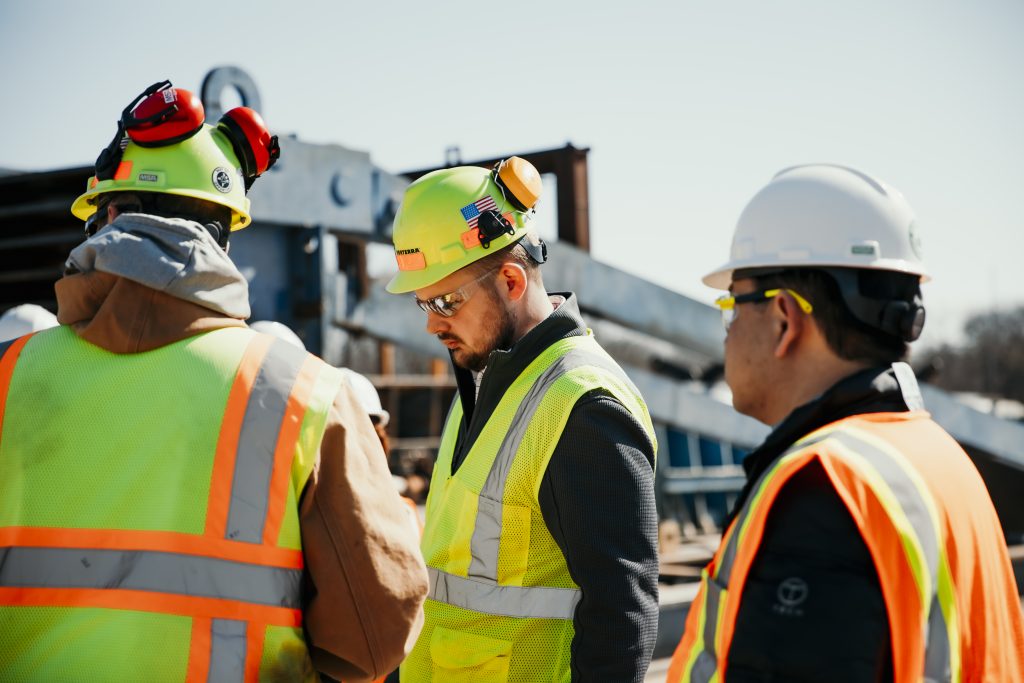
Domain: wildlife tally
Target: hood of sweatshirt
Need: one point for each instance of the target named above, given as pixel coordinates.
(144, 281)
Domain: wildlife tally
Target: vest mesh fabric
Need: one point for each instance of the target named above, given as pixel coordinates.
(460, 644)
(128, 445)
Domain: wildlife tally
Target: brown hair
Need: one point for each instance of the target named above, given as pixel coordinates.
(169, 206)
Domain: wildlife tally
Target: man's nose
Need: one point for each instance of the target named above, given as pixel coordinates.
(436, 323)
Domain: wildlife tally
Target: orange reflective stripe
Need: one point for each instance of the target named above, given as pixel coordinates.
(287, 441)
(199, 651)
(227, 443)
(10, 358)
(681, 656)
(255, 635)
(157, 541)
(470, 238)
(899, 585)
(751, 532)
(149, 601)
(411, 261)
(124, 171)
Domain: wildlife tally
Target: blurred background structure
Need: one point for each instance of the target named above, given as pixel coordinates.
(676, 115)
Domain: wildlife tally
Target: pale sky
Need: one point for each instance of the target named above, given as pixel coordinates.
(688, 107)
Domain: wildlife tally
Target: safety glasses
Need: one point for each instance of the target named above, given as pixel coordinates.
(447, 305)
(727, 304)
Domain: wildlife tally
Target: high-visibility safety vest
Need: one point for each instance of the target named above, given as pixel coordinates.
(148, 519)
(930, 527)
(501, 599)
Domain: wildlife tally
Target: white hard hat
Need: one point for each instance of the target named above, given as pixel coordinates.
(824, 215)
(368, 397)
(20, 320)
(279, 330)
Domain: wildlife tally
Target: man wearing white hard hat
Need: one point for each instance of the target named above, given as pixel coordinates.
(864, 546)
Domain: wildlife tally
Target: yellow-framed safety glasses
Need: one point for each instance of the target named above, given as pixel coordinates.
(727, 304)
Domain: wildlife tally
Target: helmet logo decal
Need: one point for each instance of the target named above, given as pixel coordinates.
(221, 179)
(148, 177)
(869, 248)
(410, 259)
(471, 212)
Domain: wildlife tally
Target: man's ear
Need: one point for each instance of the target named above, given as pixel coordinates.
(790, 324)
(512, 278)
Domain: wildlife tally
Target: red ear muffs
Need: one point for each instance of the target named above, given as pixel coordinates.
(256, 148)
(164, 117)
(160, 116)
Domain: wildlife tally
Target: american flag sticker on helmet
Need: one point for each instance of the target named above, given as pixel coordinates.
(471, 212)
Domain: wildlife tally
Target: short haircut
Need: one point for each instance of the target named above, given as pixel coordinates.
(514, 252)
(847, 337)
(171, 206)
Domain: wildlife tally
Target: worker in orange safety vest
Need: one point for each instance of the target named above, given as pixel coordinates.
(864, 546)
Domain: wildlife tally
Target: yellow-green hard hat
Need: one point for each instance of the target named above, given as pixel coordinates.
(438, 227)
(203, 166)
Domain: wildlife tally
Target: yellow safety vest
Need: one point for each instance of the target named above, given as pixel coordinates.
(149, 518)
(501, 599)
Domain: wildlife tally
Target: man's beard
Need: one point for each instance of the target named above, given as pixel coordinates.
(503, 328)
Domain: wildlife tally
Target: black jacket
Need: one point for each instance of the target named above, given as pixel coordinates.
(840, 632)
(597, 500)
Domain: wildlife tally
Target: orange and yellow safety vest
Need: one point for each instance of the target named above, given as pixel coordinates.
(149, 517)
(929, 524)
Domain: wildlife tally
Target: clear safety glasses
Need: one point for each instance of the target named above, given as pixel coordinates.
(727, 304)
(447, 305)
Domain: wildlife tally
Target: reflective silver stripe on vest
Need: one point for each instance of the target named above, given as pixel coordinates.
(254, 464)
(937, 661)
(707, 661)
(227, 651)
(187, 575)
(937, 664)
(486, 538)
(909, 498)
(528, 602)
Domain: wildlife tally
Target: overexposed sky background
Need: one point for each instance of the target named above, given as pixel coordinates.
(688, 108)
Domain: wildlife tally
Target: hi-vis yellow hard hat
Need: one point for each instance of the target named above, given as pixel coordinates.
(163, 145)
(455, 216)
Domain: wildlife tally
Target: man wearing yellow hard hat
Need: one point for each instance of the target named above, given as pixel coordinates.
(185, 498)
(540, 535)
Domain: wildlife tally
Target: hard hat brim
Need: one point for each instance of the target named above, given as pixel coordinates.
(406, 281)
(721, 277)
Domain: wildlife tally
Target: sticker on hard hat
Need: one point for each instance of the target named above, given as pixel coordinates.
(410, 259)
(471, 212)
(221, 179)
(148, 177)
(865, 249)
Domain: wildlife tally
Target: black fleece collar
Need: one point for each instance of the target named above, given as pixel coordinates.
(504, 366)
